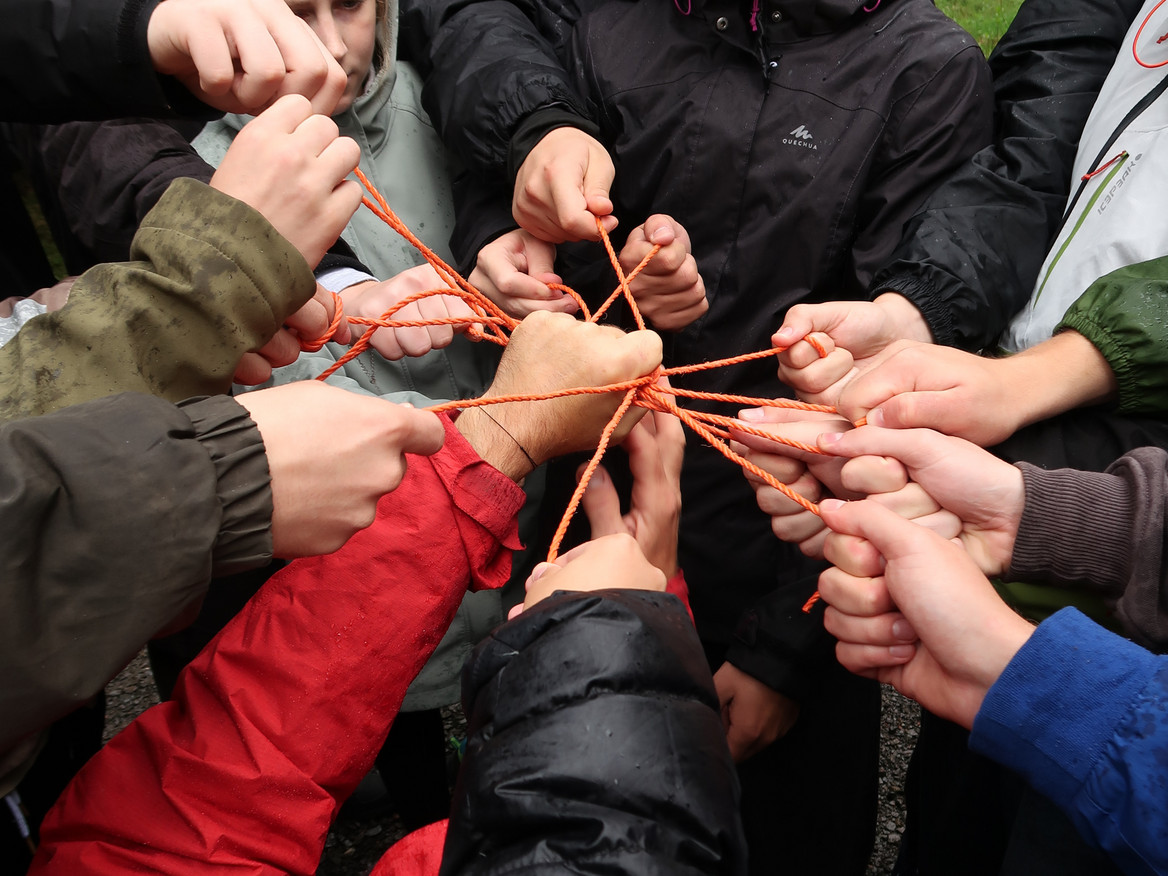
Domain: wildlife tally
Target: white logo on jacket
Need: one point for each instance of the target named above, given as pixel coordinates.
(800, 137)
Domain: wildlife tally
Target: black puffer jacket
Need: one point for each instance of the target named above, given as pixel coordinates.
(792, 144)
(971, 256)
(595, 746)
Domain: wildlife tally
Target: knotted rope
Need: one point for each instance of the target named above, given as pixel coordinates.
(490, 323)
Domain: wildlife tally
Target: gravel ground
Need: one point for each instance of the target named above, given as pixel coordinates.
(355, 844)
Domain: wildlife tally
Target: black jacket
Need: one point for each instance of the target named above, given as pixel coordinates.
(792, 153)
(594, 745)
(971, 256)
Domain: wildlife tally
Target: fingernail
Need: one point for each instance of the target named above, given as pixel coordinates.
(831, 504)
(598, 477)
(755, 414)
(829, 438)
(901, 652)
(902, 629)
(876, 417)
(784, 336)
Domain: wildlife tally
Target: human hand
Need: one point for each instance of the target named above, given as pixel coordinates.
(308, 323)
(669, 290)
(239, 56)
(952, 635)
(514, 271)
(985, 493)
(611, 562)
(562, 187)
(291, 165)
(656, 448)
(316, 507)
(753, 714)
(372, 299)
(852, 332)
(549, 352)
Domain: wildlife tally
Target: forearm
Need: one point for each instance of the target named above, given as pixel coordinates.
(1060, 374)
(212, 281)
(1098, 757)
(249, 763)
(1103, 529)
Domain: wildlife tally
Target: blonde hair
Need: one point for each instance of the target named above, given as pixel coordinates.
(384, 43)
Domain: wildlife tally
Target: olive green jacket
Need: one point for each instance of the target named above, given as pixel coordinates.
(1124, 315)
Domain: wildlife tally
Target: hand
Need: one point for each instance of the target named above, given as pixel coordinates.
(514, 271)
(984, 493)
(372, 299)
(656, 447)
(308, 323)
(239, 56)
(967, 635)
(562, 186)
(611, 562)
(290, 165)
(853, 332)
(669, 291)
(326, 481)
(753, 714)
(549, 352)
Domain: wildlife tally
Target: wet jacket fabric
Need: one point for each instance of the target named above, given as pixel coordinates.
(615, 761)
(1099, 756)
(276, 722)
(167, 495)
(1122, 315)
(209, 279)
(1107, 530)
(971, 255)
(792, 146)
(77, 59)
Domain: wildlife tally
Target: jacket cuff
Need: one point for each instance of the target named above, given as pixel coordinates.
(231, 438)
(794, 666)
(536, 126)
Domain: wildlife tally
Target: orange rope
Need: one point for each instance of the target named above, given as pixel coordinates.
(643, 392)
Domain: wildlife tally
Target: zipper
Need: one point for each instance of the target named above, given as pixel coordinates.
(1114, 164)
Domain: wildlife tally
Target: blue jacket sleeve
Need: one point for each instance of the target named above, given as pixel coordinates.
(1082, 715)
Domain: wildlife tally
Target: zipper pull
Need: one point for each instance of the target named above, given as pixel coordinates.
(1093, 173)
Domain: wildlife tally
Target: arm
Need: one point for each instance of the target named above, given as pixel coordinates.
(970, 256)
(911, 609)
(65, 59)
(450, 524)
(249, 281)
(92, 496)
(633, 676)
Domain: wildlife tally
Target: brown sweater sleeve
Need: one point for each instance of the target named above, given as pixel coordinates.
(1103, 529)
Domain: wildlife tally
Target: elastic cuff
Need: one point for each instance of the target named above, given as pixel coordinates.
(231, 438)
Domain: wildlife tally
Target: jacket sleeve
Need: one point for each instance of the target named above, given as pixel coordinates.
(1100, 758)
(479, 91)
(1103, 529)
(595, 744)
(211, 280)
(83, 59)
(970, 256)
(1121, 314)
(273, 725)
(100, 179)
(116, 514)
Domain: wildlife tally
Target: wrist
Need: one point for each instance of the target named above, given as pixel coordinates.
(906, 320)
(495, 442)
(1060, 374)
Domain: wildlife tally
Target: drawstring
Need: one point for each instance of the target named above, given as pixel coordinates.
(16, 807)
(688, 7)
(753, 16)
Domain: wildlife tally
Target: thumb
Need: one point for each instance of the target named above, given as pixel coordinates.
(602, 504)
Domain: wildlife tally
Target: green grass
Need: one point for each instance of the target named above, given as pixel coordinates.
(986, 20)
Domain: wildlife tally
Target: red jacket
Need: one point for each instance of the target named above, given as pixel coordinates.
(245, 769)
